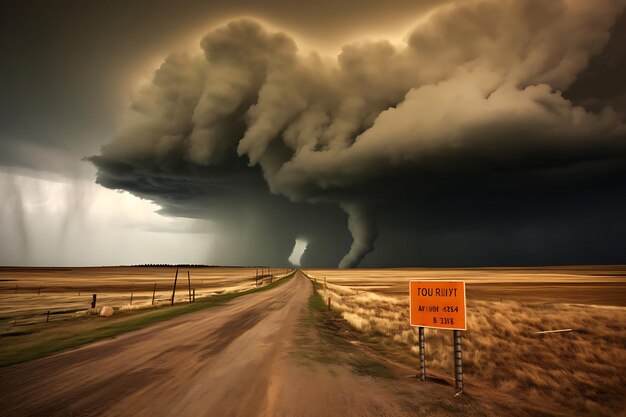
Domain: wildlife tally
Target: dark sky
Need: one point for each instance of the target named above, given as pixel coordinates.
(398, 133)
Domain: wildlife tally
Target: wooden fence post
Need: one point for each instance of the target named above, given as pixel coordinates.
(153, 293)
(189, 285)
(93, 300)
(194, 295)
(174, 289)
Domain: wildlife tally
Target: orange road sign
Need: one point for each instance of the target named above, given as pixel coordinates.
(437, 304)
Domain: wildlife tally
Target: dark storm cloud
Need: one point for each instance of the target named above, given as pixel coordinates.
(68, 65)
(601, 83)
(472, 102)
(254, 226)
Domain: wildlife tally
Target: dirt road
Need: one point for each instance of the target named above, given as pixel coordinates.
(240, 359)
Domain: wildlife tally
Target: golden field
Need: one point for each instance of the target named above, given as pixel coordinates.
(581, 372)
(27, 294)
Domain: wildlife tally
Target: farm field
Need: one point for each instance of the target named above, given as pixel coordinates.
(27, 294)
(602, 285)
(581, 371)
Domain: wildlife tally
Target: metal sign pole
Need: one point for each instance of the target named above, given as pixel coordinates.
(458, 363)
(422, 355)
(439, 305)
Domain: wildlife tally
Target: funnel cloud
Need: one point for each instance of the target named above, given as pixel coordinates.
(298, 250)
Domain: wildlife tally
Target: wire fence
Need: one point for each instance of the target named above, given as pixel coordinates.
(27, 305)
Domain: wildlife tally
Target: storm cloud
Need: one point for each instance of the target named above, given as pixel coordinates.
(470, 110)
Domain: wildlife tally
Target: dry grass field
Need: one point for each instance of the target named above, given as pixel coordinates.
(27, 294)
(603, 285)
(581, 372)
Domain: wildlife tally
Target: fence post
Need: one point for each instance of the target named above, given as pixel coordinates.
(329, 303)
(153, 293)
(189, 285)
(131, 297)
(422, 354)
(458, 363)
(48, 316)
(93, 300)
(194, 295)
(174, 289)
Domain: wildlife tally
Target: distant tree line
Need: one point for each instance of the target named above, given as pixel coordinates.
(191, 266)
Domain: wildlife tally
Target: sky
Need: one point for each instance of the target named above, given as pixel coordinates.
(321, 134)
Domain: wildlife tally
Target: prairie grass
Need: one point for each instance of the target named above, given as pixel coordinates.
(582, 371)
(27, 294)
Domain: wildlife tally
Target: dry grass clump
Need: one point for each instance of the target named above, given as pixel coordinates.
(583, 371)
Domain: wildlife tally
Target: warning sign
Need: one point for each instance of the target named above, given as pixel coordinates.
(437, 304)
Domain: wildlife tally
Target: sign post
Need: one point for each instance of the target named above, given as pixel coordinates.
(458, 363)
(422, 355)
(439, 305)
